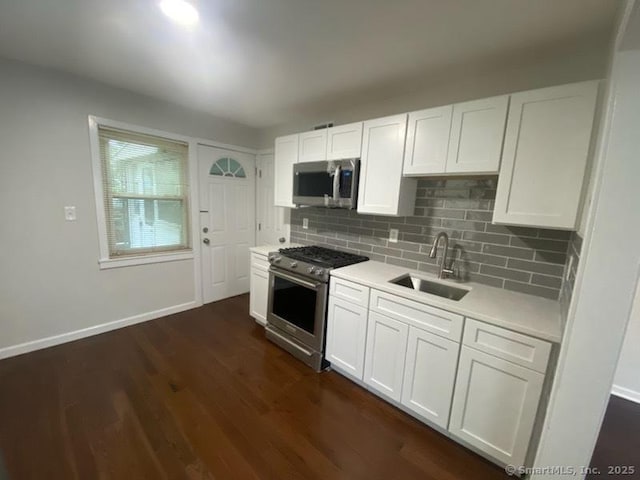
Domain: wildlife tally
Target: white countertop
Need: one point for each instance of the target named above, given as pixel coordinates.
(265, 249)
(527, 314)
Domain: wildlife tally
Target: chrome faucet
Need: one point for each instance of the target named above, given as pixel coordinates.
(444, 271)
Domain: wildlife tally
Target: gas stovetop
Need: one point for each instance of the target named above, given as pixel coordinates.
(323, 257)
(314, 262)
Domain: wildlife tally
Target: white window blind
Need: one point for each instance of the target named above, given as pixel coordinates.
(144, 180)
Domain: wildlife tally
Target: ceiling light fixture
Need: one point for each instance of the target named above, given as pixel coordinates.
(180, 11)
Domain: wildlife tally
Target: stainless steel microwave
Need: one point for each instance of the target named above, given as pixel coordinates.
(331, 183)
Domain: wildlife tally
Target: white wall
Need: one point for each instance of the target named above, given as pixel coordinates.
(50, 283)
(525, 71)
(627, 380)
(606, 280)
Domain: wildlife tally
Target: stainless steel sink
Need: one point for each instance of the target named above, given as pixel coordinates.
(427, 286)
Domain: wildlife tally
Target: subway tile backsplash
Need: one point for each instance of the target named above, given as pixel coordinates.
(528, 260)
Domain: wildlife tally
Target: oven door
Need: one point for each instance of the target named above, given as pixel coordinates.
(298, 306)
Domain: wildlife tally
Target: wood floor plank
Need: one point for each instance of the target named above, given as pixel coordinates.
(202, 395)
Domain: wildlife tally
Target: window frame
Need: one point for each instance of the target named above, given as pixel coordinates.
(105, 261)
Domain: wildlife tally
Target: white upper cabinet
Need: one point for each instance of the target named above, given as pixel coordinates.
(312, 146)
(477, 131)
(545, 154)
(382, 189)
(286, 154)
(428, 141)
(344, 141)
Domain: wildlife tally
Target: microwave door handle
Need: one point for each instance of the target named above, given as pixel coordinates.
(336, 184)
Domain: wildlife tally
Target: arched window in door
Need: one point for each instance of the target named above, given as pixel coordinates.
(227, 167)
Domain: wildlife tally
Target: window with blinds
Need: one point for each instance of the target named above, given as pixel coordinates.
(145, 186)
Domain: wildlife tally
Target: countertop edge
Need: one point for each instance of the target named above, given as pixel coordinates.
(543, 335)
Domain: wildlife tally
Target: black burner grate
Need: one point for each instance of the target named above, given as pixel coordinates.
(322, 256)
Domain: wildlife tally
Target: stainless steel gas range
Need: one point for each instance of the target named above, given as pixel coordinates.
(298, 295)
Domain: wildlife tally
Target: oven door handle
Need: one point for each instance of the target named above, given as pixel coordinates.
(336, 183)
(297, 280)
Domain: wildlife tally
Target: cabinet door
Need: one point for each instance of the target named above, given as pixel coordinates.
(385, 355)
(427, 141)
(346, 336)
(382, 190)
(495, 405)
(477, 132)
(312, 146)
(344, 141)
(545, 154)
(286, 154)
(429, 375)
(259, 293)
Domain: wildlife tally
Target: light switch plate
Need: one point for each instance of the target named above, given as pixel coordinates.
(393, 235)
(305, 223)
(70, 214)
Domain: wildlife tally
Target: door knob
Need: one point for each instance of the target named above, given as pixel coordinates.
(206, 241)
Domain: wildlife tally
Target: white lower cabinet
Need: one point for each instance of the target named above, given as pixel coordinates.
(495, 405)
(385, 355)
(483, 386)
(429, 375)
(346, 336)
(259, 288)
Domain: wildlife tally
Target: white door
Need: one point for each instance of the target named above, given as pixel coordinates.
(546, 147)
(346, 336)
(227, 220)
(477, 132)
(495, 404)
(272, 223)
(286, 155)
(382, 189)
(385, 354)
(427, 141)
(430, 373)
(312, 146)
(344, 141)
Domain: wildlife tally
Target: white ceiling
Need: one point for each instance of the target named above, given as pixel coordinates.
(259, 61)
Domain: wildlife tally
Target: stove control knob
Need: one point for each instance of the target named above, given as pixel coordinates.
(319, 272)
(311, 270)
(277, 259)
(294, 265)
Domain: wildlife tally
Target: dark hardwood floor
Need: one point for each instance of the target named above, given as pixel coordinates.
(202, 395)
(617, 452)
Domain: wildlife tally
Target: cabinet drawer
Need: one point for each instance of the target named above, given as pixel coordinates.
(259, 261)
(517, 348)
(434, 320)
(349, 291)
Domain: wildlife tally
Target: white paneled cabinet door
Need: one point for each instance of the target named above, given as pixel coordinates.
(286, 155)
(382, 189)
(346, 336)
(495, 405)
(385, 355)
(312, 146)
(429, 376)
(427, 141)
(477, 132)
(259, 292)
(344, 141)
(272, 222)
(545, 154)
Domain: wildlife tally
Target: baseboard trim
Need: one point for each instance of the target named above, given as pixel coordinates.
(46, 342)
(626, 393)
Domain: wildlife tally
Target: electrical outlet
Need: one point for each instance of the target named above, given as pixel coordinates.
(393, 235)
(305, 224)
(70, 214)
